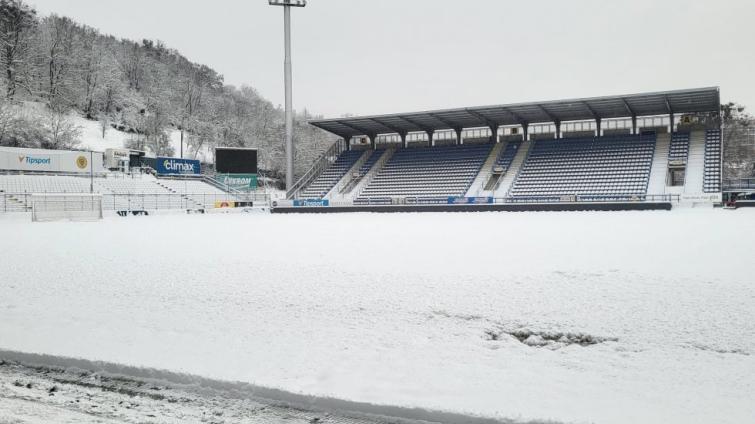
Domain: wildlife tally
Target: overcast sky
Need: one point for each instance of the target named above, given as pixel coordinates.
(382, 56)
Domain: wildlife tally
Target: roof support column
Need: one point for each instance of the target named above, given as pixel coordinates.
(558, 129)
(671, 122)
(458, 136)
(373, 141)
(430, 135)
(494, 133)
(598, 128)
(403, 140)
(634, 124)
(347, 142)
(525, 131)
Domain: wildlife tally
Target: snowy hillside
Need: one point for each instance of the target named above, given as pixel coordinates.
(622, 317)
(91, 138)
(90, 134)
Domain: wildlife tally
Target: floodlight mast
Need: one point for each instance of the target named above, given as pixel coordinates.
(287, 4)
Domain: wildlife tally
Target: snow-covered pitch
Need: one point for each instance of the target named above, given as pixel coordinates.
(621, 317)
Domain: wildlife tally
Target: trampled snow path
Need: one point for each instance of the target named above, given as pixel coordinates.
(411, 310)
(38, 394)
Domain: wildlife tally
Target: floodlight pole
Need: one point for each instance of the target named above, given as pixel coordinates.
(289, 100)
(287, 4)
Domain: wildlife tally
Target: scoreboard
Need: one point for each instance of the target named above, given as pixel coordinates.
(235, 160)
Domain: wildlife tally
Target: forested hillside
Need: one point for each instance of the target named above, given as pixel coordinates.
(144, 88)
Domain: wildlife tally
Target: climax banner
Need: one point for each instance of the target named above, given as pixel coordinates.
(167, 166)
(243, 182)
(311, 203)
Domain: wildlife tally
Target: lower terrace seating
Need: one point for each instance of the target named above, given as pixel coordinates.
(605, 167)
(431, 172)
(17, 184)
(119, 192)
(679, 147)
(330, 177)
(712, 173)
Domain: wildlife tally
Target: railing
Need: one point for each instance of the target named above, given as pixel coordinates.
(205, 178)
(20, 202)
(739, 184)
(592, 198)
(623, 198)
(320, 164)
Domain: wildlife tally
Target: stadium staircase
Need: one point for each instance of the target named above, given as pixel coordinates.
(693, 180)
(505, 183)
(323, 183)
(191, 203)
(659, 169)
(336, 193)
(478, 185)
(365, 180)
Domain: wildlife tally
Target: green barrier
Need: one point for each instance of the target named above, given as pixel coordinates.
(243, 182)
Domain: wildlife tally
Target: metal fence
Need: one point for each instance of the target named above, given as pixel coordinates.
(22, 202)
(739, 184)
(397, 201)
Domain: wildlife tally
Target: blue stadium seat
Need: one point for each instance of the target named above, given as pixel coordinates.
(615, 167)
(427, 173)
(712, 172)
(330, 177)
(679, 147)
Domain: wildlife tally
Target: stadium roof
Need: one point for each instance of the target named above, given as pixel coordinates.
(645, 104)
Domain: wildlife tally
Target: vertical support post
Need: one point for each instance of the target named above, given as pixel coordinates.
(634, 124)
(458, 136)
(558, 129)
(671, 122)
(598, 127)
(91, 172)
(525, 131)
(430, 135)
(347, 143)
(373, 141)
(494, 133)
(403, 140)
(289, 100)
(182, 141)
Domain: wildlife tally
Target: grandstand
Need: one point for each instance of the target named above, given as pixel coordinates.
(659, 148)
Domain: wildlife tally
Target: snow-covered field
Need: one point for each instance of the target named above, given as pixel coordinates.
(574, 317)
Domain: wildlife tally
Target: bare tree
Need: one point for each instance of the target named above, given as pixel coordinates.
(739, 136)
(16, 23)
(60, 129)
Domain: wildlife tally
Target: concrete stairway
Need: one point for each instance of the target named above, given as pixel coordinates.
(335, 192)
(513, 172)
(659, 169)
(478, 185)
(354, 193)
(693, 181)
